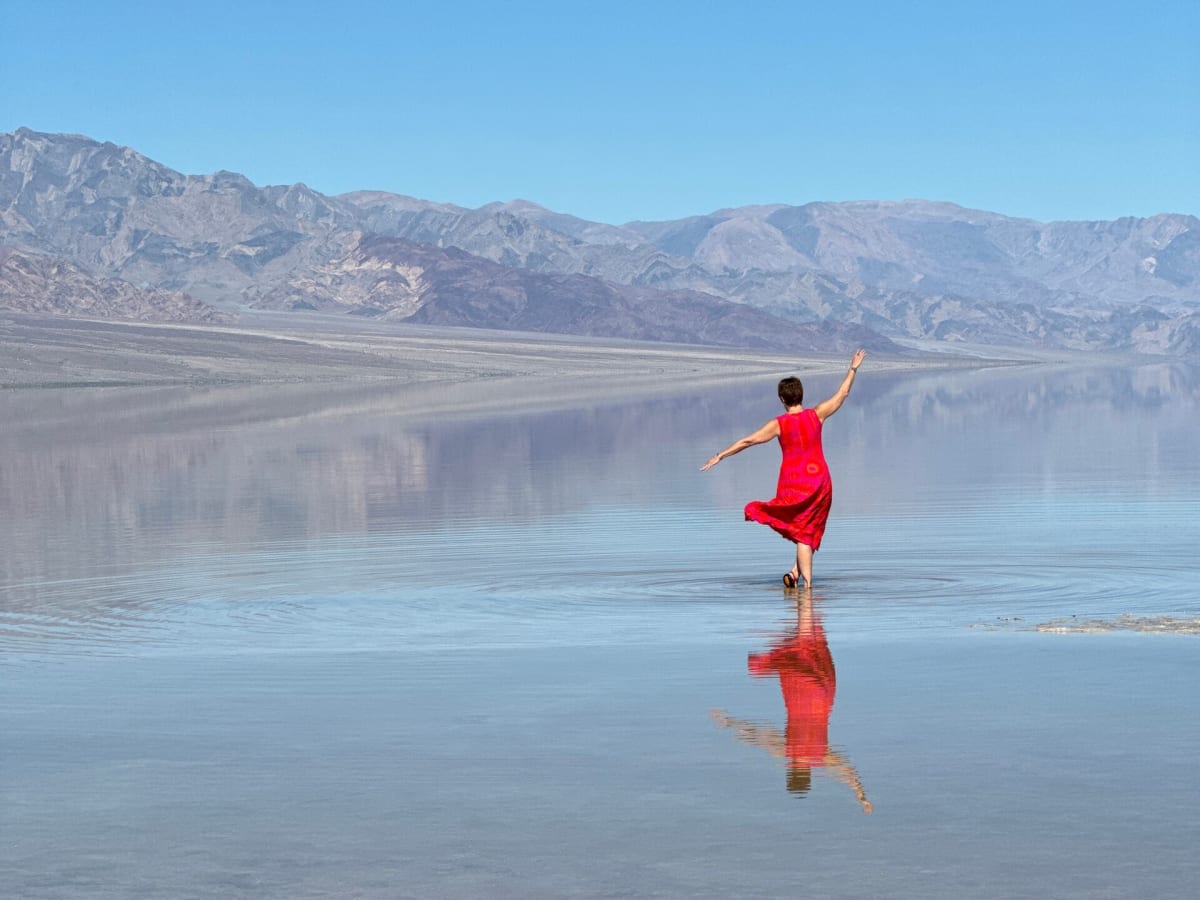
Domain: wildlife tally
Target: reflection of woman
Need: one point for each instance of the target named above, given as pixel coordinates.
(808, 681)
(804, 493)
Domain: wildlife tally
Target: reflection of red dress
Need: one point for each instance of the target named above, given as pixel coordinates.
(805, 490)
(808, 682)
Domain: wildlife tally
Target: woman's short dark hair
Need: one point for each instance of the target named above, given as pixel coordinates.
(799, 779)
(791, 391)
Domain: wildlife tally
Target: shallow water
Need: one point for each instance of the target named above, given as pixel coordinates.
(321, 641)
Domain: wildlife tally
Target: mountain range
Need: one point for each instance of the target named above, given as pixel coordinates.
(83, 220)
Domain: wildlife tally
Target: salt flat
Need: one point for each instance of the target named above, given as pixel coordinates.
(41, 351)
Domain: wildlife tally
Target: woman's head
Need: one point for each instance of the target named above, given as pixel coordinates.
(791, 391)
(799, 779)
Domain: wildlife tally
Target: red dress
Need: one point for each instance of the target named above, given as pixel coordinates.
(805, 490)
(809, 683)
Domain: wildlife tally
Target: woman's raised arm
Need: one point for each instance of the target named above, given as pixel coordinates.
(827, 408)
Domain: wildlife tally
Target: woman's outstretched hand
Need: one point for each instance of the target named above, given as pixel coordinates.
(712, 461)
(859, 356)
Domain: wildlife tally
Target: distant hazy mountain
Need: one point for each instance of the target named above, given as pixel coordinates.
(224, 241)
(834, 272)
(393, 278)
(912, 269)
(939, 249)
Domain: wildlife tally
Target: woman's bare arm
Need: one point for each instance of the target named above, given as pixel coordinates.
(764, 434)
(838, 766)
(770, 739)
(827, 408)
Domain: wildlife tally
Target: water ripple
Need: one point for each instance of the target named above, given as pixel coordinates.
(605, 577)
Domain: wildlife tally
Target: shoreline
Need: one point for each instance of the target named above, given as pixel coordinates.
(52, 353)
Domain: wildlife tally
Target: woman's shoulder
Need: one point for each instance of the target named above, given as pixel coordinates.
(802, 415)
(806, 420)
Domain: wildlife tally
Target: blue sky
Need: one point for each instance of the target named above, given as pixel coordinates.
(620, 111)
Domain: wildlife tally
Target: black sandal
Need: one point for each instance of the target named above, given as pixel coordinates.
(789, 580)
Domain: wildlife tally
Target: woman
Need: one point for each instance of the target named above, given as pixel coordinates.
(805, 491)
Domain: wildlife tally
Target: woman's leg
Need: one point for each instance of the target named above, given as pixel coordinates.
(804, 555)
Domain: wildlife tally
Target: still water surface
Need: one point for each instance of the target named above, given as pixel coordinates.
(322, 641)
